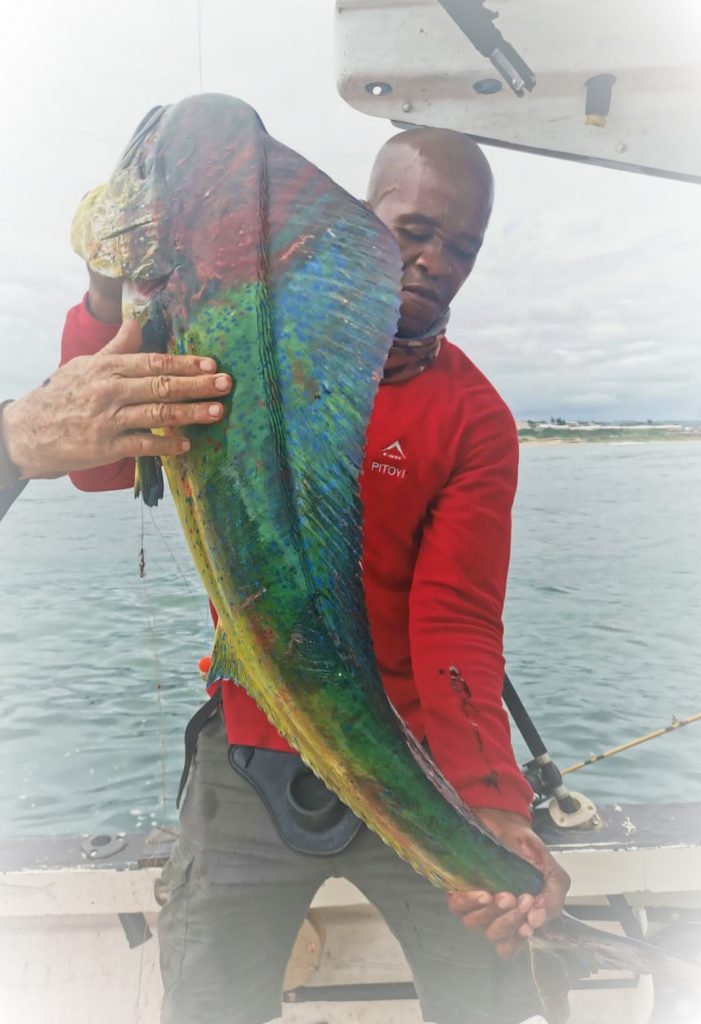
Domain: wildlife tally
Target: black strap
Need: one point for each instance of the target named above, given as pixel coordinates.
(192, 731)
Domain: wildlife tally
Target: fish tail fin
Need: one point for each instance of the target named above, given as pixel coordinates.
(553, 982)
(148, 479)
(585, 950)
(565, 950)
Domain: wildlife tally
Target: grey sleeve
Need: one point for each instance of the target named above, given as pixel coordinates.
(8, 495)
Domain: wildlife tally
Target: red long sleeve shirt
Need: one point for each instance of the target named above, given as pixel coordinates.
(437, 487)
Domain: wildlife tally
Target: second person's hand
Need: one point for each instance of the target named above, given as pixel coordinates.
(91, 411)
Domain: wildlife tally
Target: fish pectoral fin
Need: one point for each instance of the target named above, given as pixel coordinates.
(224, 663)
(148, 480)
(553, 981)
(155, 332)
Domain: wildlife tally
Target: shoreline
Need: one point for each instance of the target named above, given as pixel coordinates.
(622, 438)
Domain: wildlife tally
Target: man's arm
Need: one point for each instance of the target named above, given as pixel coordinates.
(455, 619)
(455, 625)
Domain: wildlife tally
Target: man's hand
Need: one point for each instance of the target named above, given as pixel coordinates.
(508, 919)
(88, 412)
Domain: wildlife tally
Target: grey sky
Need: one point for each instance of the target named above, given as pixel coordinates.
(585, 300)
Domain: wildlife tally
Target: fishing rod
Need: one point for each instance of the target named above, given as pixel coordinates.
(676, 723)
(568, 809)
(543, 775)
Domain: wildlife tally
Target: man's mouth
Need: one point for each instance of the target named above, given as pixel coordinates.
(428, 294)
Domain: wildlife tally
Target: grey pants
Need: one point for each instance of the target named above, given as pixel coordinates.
(234, 897)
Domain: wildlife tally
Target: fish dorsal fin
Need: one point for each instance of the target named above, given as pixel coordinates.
(334, 291)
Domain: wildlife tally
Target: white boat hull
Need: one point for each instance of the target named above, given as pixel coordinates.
(72, 932)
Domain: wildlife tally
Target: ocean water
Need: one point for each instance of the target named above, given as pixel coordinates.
(99, 666)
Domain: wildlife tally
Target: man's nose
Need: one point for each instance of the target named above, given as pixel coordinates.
(434, 262)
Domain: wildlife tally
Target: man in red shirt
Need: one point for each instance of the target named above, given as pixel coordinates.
(437, 488)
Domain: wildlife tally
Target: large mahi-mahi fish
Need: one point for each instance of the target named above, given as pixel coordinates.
(242, 250)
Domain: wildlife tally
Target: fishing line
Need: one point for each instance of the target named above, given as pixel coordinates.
(151, 618)
(149, 608)
(199, 41)
(195, 597)
(676, 723)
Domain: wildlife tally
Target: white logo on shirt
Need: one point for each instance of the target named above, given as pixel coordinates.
(393, 451)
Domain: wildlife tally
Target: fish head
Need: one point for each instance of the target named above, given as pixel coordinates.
(164, 208)
(119, 228)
